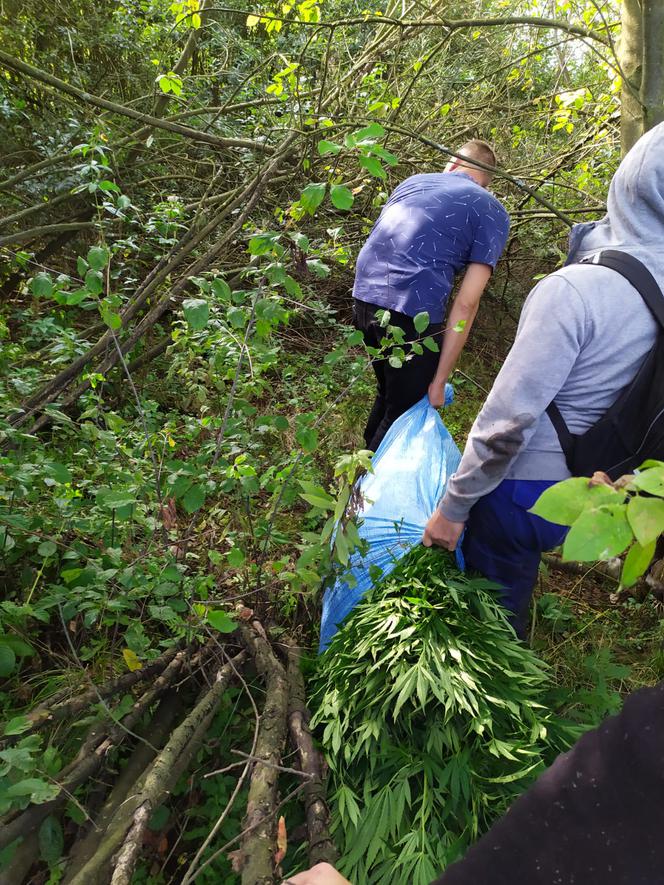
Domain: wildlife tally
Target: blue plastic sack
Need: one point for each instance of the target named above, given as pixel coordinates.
(410, 473)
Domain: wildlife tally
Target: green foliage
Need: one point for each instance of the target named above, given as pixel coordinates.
(433, 718)
(607, 519)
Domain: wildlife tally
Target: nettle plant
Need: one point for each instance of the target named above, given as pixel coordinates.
(607, 518)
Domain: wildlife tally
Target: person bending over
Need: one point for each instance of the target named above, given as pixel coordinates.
(432, 227)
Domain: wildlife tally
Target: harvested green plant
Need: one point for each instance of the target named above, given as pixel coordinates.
(434, 718)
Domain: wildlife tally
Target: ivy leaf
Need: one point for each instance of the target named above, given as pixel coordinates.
(194, 499)
(421, 321)
(341, 196)
(598, 534)
(636, 562)
(221, 621)
(312, 196)
(42, 285)
(395, 362)
(565, 501)
(430, 344)
(196, 313)
(373, 166)
(646, 517)
(328, 147)
(98, 258)
(51, 840)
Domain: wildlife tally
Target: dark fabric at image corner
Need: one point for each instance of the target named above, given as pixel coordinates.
(595, 817)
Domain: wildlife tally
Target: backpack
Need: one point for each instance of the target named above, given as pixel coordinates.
(633, 428)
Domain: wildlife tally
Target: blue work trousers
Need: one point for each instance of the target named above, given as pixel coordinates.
(505, 543)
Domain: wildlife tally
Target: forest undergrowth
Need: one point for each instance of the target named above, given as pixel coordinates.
(184, 189)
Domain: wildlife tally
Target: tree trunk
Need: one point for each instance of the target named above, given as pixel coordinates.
(652, 83)
(631, 61)
(642, 60)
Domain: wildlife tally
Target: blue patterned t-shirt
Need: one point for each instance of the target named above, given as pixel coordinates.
(432, 226)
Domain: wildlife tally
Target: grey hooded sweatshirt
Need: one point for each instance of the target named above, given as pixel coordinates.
(583, 333)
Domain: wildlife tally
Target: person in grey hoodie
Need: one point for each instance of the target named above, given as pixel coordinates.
(583, 333)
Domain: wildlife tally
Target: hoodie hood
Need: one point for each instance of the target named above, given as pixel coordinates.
(634, 221)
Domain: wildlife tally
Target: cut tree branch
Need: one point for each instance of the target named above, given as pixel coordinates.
(21, 67)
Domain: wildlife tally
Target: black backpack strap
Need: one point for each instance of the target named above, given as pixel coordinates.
(638, 275)
(565, 438)
(646, 285)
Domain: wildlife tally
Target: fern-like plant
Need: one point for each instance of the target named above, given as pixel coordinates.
(433, 717)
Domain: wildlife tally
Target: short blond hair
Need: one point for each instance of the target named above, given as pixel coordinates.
(476, 149)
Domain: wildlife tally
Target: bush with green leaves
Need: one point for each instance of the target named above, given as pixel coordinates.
(608, 518)
(433, 717)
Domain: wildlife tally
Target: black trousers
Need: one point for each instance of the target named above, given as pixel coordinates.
(398, 389)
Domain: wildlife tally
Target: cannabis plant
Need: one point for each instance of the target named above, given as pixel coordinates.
(433, 717)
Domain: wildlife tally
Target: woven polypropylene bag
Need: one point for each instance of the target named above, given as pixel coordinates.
(411, 470)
